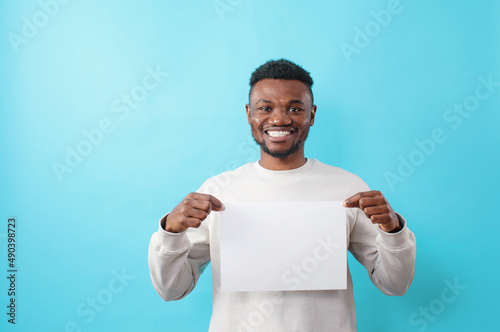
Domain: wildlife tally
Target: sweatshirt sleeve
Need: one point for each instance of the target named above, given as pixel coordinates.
(388, 257)
(176, 260)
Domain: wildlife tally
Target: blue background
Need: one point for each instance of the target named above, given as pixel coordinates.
(70, 71)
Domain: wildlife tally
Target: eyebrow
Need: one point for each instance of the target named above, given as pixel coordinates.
(263, 101)
(293, 101)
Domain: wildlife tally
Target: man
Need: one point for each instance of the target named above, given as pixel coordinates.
(280, 112)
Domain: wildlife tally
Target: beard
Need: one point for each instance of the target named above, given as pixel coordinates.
(294, 148)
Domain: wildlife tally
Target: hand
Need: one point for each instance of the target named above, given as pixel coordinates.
(376, 207)
(191, 211)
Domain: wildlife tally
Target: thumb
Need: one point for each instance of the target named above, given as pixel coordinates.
(350, 202)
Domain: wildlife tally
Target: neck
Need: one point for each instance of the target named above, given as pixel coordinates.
(282, 164)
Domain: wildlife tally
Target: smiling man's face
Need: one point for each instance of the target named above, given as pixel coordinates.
(280, 114)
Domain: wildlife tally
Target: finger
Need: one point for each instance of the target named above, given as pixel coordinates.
(192, 222)
(353, 201)
(365, 202)
(380, 219)
(199, 204)
(183, 224)
(191, 212)
(216, 204)
(374, 210)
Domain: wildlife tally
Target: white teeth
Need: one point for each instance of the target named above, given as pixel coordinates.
(278, 133)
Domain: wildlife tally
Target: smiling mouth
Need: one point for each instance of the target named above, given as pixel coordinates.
(278, 133)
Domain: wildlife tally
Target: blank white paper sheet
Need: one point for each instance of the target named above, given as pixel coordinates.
(281, 246)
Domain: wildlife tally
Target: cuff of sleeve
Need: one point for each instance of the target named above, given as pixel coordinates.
(172, 242)
(395, 241)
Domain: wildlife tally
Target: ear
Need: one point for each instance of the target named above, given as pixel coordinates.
(313, 114)
(249, 112)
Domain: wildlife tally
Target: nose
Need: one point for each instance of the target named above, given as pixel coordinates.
(280, 117)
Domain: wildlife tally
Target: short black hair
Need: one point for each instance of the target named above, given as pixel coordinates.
(281, 69)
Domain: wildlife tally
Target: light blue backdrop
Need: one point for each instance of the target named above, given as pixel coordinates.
(113, 111)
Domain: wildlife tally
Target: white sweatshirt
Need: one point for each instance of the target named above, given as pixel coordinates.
(177, 260)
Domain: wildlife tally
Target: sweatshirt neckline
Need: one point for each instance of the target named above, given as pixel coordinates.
(286, 173)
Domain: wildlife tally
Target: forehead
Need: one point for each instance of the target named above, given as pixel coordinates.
(275, 90)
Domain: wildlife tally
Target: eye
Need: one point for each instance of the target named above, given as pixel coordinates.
(295, 109)
(265, 108)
